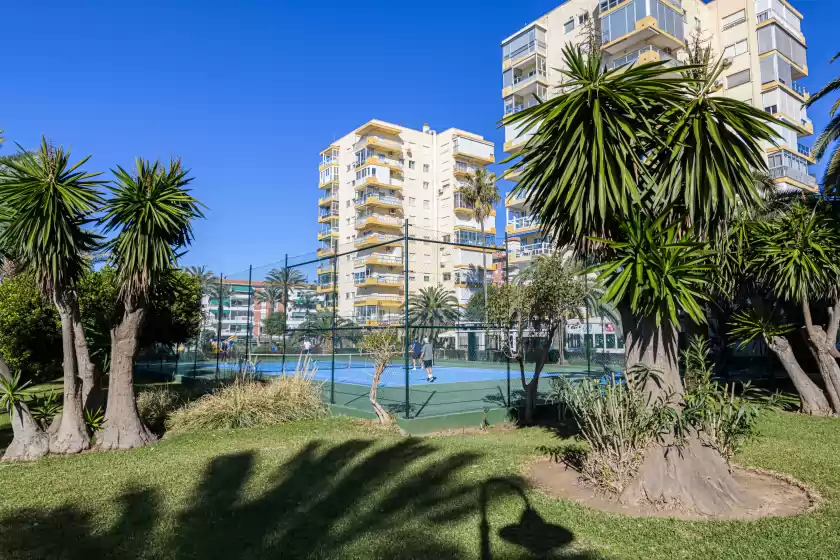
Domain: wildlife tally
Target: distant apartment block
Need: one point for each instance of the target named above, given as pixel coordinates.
(762, 39)
(374, 179)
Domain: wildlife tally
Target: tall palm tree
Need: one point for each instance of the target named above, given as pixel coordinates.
(306, 301)
(622, 161)
(48, 201)
(828, 137)
(270, 296)
(285, 276)
(433, 307)
(205, 276)
(482, 194)
(152, 210)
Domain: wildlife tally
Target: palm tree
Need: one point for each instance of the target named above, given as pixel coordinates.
(622, 161)
(432, 307)
(48, 201)
(306, 301)
(152, 211)
(285, 276)
(481, 194)
(269, 296)
(205, 277)
(828, 137)
(319, 326)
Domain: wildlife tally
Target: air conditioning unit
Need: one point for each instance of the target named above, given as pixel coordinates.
(440, 192)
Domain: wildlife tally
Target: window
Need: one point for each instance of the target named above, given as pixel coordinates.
(583, 18)
(425, 168)
(735, 49)
(426, 278)
(599, 341)
(348, 204)
(738, 78)
(734, 19)
(412, 201)
(772, 109)
(610, 341)
(426, 204)
(447, 276)
(425, 185)
(347, 295)
(446, 238)
(569, 25)
(411, 164)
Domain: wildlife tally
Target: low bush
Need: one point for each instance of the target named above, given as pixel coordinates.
(249, 403)
(155, 405)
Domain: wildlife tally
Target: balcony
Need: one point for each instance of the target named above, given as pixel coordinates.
(522, 225)
(376, 239)
(380, 220)
(380, 200)
(645, 55)
(327, 234)
(522, 81)
(377, 279)
(328, 216)
(527, 252)
(325, 251)
(374, 126)
(325, 288)
(473, 149)
(782, 173)
(378, 259)
(771, 16)
(378, 142)
(375, 182)
(464, 169)
(522, 53)
(381, 300)
(804, 150)
(462, 206)
(661, 25)
(328, 198)
(393, 164)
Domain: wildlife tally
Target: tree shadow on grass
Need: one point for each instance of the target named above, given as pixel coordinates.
(353, 499)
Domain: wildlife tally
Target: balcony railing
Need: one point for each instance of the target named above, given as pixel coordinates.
(521, 80)
(799, 88)
(390, 259)
(461, 202)
(379, 141)
(524, 222)
(780, 18)
(376, 158)
(329, 195)
(392, 279)
(462, 167)
(803, 149)
(634, 56)
(533, 250)
(513, 107)
(386, 297)
(795, 174)
(532, 47)
(375, 238)
(384, 199)
(360, 220)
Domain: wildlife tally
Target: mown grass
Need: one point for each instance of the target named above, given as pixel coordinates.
(337, 488)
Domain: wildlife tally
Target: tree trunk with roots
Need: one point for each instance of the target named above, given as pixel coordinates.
(821, 349)
(811, 397)
(531, 388)
(123, 428)
(91, 393)
(689, 477)
(71, 436)
(381, 413)
(29, 441)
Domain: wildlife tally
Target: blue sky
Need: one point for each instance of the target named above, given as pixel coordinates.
(248, 92)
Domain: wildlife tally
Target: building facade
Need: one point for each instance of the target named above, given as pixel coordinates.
(374, 180)
(762, 40)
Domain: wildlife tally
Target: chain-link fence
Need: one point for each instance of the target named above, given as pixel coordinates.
(425, 286)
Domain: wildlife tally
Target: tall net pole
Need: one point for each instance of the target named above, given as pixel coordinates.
(406, 334)
(219, 325)
(334, 301)
(285, 307)
(248, 324)
(587, 336)
(503, 344)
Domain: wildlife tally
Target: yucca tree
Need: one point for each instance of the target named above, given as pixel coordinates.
(481, 194)
(285, 276)
(433, 307)
(48, 202)
(620, 157)
(827, 140)
(151, 210)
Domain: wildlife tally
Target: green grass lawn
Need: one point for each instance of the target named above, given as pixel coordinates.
(341, 489)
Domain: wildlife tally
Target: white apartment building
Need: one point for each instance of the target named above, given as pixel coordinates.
(374, 179)
(762, 39)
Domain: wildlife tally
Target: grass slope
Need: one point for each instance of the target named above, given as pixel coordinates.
(340, 489)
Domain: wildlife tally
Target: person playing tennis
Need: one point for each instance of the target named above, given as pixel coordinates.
(416, 351)
(426, 354)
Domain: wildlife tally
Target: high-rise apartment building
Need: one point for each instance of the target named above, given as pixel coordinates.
(762, 39)
(373, 180)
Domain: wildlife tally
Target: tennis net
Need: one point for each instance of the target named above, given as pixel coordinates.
(272, 362)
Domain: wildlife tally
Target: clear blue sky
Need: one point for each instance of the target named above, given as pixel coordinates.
(248, 93)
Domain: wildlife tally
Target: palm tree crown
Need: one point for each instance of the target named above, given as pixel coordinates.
(205, 276)
(433, 306)
(153, 210)
(829, 135)
(287, 276)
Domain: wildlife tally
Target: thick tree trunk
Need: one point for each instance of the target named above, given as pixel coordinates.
(811, 397)
(71, 435)
(91, 393)
(380, 411)
(832, 328)
(561, 356)
(820, 348)
(29, 441)
(689, 477)
(123, 428)
(532, 387)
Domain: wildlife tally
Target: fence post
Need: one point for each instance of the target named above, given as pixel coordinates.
(406, 333)
(285, 306)
(219, 325)
(507, 357)
(587, 335)
(248, 324)
(195, 352)
(334, 301)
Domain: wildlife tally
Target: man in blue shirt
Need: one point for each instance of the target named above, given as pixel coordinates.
(416, 350)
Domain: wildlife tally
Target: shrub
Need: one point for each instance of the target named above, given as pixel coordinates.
(696, 362)
(45, 407)
(249, 403)
(156, 405)
(617, 421)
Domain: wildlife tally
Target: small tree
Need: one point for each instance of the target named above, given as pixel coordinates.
(534, 308)
(384, 345)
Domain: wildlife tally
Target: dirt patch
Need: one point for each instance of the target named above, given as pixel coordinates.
(779, 495)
